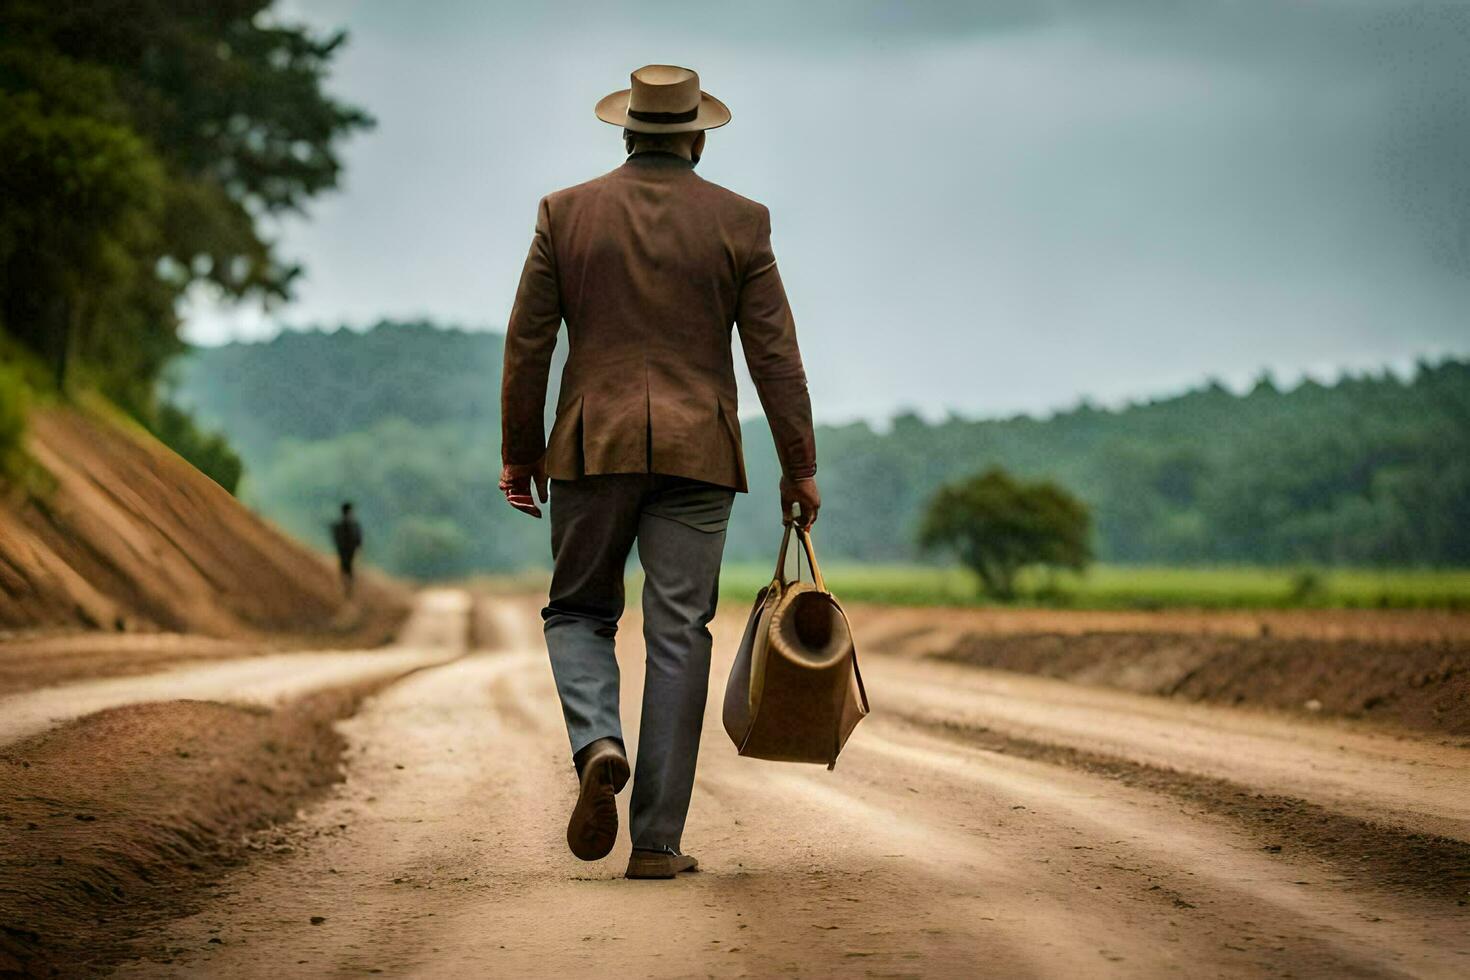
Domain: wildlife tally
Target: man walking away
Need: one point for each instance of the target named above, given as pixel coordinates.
(649, 266)
(347, 536)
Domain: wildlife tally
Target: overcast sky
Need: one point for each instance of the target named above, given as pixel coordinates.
(977, 207)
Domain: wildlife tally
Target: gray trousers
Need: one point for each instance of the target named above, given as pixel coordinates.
(679, 527)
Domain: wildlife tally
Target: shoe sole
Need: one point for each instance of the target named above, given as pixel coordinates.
(593, 828)
(660, 867)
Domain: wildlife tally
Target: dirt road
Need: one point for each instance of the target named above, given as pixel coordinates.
(434, 634)
(978, 824)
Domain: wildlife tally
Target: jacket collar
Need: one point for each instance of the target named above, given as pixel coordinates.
(660, 159)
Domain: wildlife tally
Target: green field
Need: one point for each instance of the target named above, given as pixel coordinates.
(1104, 587)
(1139, 587)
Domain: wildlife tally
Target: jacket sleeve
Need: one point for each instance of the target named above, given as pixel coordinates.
(530, 338)
(768, 337)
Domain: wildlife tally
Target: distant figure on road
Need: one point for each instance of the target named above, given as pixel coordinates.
(649, 266)
(347, 536)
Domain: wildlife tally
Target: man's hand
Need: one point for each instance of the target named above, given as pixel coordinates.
(515, 483)
(804, 494)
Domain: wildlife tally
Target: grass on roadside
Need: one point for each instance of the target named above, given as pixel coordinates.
(1137, 587)
(1142, 587)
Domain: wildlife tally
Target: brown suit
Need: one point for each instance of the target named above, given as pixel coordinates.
(649, 265)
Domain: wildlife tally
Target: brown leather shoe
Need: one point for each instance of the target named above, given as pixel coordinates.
(593, 829)
(659, 864)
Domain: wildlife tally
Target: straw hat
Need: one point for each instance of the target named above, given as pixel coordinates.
(663, 99)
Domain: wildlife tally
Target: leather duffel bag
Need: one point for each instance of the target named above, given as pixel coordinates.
(794, 693)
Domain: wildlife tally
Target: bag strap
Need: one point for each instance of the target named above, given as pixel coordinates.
(805, 538)
(780, 577)
(811, 557)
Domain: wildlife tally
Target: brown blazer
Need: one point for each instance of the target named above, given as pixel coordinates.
(649, 265)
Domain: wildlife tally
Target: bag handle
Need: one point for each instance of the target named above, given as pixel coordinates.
(804, 536)
(780, 577)
(811, 557)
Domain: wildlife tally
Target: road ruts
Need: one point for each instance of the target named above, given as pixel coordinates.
(924, 854)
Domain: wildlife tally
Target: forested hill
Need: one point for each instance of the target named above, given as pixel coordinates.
(315, 385)
(404, 419)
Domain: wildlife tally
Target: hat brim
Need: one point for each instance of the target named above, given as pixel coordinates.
(614, 109)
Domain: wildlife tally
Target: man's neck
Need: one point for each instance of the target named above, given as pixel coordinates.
(678, 151)
(658, 160)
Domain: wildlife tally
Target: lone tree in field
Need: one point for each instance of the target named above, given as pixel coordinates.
(998, 525)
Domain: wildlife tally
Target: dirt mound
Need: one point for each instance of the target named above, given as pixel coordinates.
(93, 843)
(118, 532)
(923, 630)
(1424, 686)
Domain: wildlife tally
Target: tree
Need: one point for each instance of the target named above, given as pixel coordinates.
(91, 197)
(13, 395)
(998, 526)
(144, 143)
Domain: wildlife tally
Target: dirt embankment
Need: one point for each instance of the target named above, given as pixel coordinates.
(95, 842)
(118, 533)
(149, 789)
(1403, 670)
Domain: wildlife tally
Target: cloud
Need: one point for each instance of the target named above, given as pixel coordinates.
(977, 206)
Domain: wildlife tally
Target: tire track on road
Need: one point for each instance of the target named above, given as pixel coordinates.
(434, 634)
(442, 855)
(1381, 855)
(1410, 782)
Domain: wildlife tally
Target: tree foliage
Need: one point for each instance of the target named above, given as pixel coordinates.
(998, 526)
(13, 397)
(1370, 470)
(403, 420)
(426, 495)
(83, 201)
(142, 143)
(208, 452)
